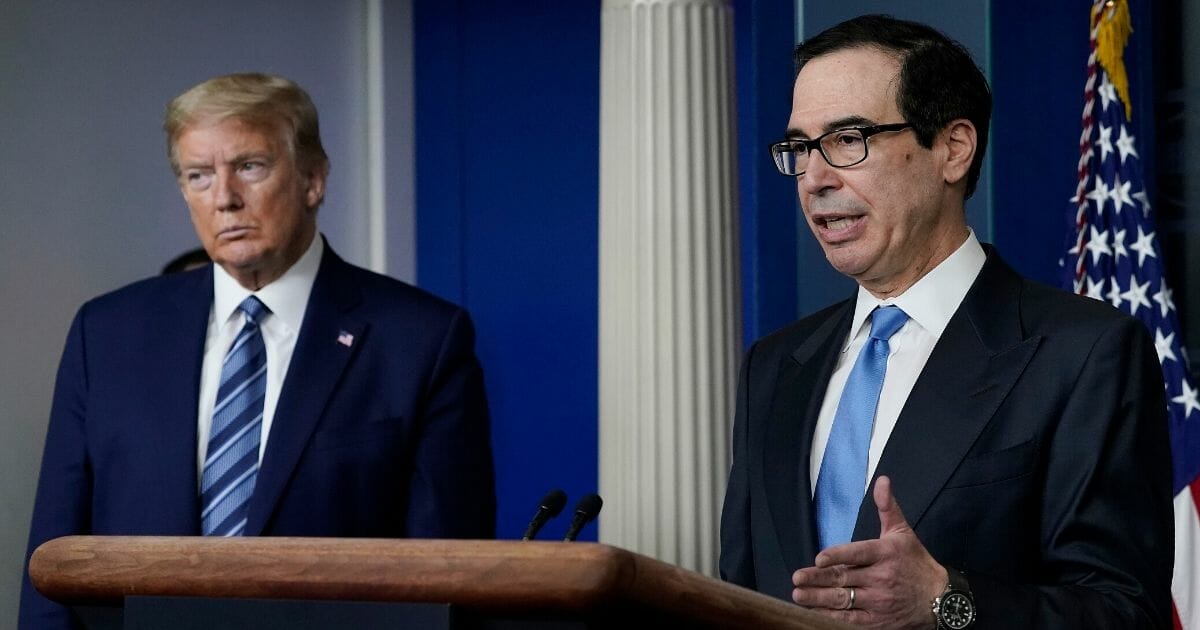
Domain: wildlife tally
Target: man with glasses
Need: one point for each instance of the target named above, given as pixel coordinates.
(954, 446)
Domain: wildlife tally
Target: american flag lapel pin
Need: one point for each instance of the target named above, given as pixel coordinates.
(345, 338)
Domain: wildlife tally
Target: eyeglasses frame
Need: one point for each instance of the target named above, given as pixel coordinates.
(866, 131)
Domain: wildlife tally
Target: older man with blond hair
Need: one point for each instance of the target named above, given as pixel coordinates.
(277, 391)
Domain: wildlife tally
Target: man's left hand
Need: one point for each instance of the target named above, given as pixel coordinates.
(888, 582)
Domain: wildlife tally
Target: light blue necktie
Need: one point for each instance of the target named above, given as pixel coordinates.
(231, 464)
(843, 473)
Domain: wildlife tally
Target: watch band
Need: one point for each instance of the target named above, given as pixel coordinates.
(958, 580)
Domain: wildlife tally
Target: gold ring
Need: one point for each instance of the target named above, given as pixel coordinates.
(850, 601)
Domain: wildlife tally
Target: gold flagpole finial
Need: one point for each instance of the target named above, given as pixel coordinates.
(1113, 27)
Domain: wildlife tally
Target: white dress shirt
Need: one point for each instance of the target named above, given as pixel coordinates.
(930, 303)
(287, 297)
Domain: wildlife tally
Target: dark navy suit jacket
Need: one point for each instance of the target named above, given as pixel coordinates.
(387, 436)
(1032, 454)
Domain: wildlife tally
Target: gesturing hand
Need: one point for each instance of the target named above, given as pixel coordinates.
(888, 582)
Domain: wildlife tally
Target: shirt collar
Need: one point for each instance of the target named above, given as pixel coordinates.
(287, 296)
(933, 299)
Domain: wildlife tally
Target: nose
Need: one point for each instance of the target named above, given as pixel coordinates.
(818, 176)
(227, 190)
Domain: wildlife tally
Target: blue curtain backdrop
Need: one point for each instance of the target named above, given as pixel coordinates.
(507, 135)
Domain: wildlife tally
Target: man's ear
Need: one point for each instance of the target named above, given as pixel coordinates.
(960, 140)
(314, 191)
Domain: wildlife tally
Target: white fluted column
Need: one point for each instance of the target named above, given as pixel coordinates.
(670, 316)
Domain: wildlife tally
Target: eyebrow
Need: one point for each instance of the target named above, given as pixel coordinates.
(833, 125)
(261, 156)
(252, 156)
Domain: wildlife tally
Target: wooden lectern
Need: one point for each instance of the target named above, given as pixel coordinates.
(183, 582)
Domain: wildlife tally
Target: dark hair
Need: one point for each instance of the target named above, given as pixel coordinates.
(939, 82)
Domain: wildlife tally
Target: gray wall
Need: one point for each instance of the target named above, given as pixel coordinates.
(87, 201)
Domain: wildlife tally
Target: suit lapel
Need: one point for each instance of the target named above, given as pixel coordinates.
(320, 357)
(174, 355)
(799, 392)
(974, 365)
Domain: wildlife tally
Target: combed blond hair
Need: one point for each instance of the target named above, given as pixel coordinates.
(256, 99)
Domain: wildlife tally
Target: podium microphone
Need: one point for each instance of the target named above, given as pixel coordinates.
(586, 510)
(551, 505)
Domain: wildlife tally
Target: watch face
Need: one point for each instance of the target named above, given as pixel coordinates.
(957, 611)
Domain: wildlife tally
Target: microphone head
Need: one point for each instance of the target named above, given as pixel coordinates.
(589, 506)
(553, 502)
(586, 510)
(550, 506)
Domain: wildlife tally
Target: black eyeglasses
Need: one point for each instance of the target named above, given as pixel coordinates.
(840, 148)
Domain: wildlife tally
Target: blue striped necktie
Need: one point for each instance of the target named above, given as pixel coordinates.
(231, 465)
(843, 476)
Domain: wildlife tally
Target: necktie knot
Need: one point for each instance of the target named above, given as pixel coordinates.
(254, 309)
(885, 321)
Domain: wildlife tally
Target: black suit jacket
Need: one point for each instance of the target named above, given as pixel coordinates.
(1032, 454)
(384, 436)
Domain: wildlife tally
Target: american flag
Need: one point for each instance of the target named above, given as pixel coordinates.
(1113, 254)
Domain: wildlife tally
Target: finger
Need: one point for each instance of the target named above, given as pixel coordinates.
(861, 553)
(830, 598)
(891, 518)
(821, 576)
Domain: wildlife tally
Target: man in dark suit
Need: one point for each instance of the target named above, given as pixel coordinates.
(280, 391)
(1022, 428)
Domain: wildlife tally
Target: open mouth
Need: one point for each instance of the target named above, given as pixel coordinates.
(840, 223)
(837, 223)
(834, 229)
